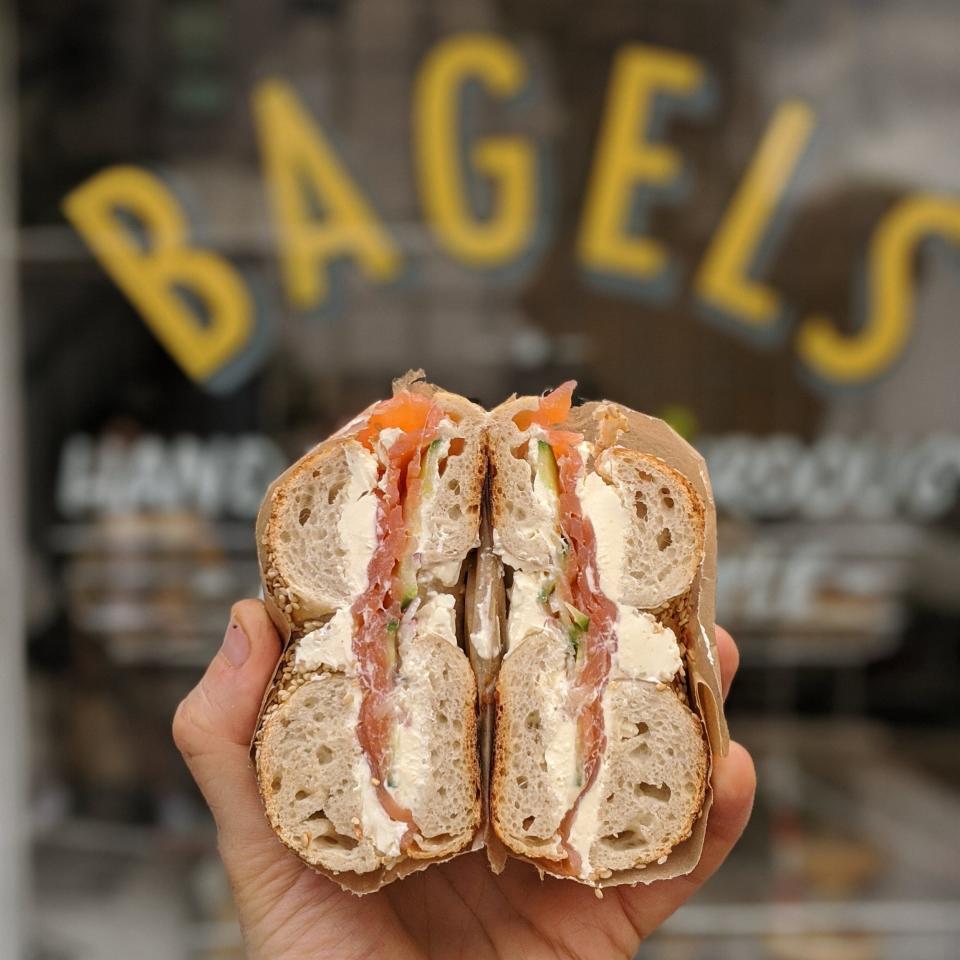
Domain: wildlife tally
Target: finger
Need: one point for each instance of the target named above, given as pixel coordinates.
(213, 728)
(223, 707)
(734, 785)
(214, 724)
(729, 659)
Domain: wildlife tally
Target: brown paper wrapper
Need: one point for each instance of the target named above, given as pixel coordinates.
(486, 616)
(654, 437)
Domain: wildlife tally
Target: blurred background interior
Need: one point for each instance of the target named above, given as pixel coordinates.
(655, 197)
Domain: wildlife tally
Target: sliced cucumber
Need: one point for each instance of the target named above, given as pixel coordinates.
(391, 650)
(407, 579)
(407, 574)
(390, 780)
(580, 624)
(546, 591)
(429, 468)
(547, 467)
(408, 595)
(580, 620)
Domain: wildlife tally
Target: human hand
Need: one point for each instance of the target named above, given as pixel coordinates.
(455, 909)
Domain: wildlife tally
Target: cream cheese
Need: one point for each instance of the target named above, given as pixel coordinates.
(601, 504)
(527, 613)
(446, 573)
(385, 833)
(545, 494)
(646, 650)
(446, 431)
(483, 637)
(437, 614)
(583, 830)
(328, 646)
(707, 645)
(510, 559)
(560, 737)
(357, 524)
(386, 439)
(376, 824)
(411, 769)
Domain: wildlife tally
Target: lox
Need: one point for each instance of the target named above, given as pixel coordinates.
(498, 631)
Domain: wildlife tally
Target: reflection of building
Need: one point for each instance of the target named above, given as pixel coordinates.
(813, 598)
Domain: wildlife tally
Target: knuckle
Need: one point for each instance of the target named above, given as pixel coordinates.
(184, 725)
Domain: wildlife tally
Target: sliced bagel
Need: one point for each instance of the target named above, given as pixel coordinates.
(601, 764)
(371, 682)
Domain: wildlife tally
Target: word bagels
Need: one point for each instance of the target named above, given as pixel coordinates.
(201, 308)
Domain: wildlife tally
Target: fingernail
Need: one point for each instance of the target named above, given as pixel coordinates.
(236, 646)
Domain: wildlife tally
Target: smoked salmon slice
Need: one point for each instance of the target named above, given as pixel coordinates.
(378, 610)
(595, 645)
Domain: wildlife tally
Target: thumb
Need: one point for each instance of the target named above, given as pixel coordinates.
(213, 727)
(734, 785)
